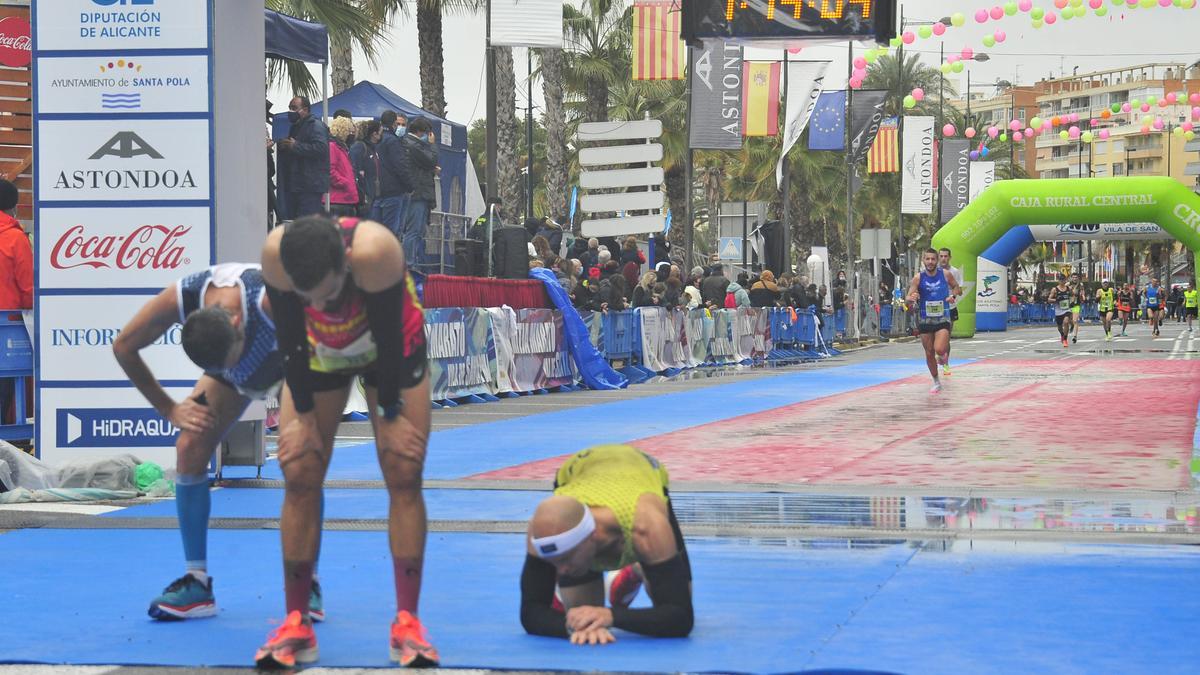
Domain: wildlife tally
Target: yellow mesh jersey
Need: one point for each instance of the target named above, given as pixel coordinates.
(1106, 299)
(613, 476)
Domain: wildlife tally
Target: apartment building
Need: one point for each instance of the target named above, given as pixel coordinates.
(999, 108)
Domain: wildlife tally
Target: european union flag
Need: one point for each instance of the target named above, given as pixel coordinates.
(827, 130)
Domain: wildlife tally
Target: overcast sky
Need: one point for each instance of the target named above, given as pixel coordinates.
(1123, 38)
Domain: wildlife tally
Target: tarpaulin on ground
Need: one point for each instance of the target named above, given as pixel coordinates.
(596, 372)
(457, 340)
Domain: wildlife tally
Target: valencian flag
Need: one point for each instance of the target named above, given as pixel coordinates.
(884, 155)
(658, 53)
(760, 98)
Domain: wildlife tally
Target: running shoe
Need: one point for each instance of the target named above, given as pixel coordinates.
(1074, 339)
(293, 642)
(186, 598)
(624, 586)
(936, 388)
(409, 647)
(946, 369)
(1064, 341)
(316, 606)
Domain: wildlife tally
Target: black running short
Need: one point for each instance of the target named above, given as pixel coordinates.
(1060, 318)
(1191, 311)
(931, 328)
(412, 371)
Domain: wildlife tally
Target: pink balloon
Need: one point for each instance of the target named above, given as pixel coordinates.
(1196, 111)
(1104, 134)
(1025, 5)
(855, 83)
(939, 28)
(1050, 18)
(918, 94)
(1018, 136)
(1029, 133)
(1187, 126)
(1000, 36)
(1194, 99)
(952, 59)
(981, 16)
(909, 37)
(1095, 122)
(1125, 108)
(1165, 3)
(969, 132)
(860, 63)
(1172, 98)
(1015, 125)
(993, 132)
(794, 50)
(967, 53)
(1158, 124)
(948, 130)
(1096, 4)
(1145, 107)
(859, 73)
(1073, 132)
(997, 13)
(1145, 129)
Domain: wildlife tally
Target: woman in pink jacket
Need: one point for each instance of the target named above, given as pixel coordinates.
(343, 190)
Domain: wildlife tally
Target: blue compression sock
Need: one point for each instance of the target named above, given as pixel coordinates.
(192, 504)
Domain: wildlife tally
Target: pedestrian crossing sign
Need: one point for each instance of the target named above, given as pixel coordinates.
(730, 248)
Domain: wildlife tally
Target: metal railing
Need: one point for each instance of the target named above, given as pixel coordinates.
(441, 233)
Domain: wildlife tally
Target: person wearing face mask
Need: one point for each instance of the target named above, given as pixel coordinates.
(395, 185)
(306, 151)
(422, 149)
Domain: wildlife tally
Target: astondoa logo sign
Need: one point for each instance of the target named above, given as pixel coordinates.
(126, 145)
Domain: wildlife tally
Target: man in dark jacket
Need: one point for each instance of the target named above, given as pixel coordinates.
(422, 149)
(365, 158)
(307, 151)
(394, 184)
(713, 287)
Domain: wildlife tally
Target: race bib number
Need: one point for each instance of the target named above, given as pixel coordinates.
(1064, 304)
(935, 309)
(354, 356)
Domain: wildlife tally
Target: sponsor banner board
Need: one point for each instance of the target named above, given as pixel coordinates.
(95, 423)
(80, 348)
(121, 84)
(123, 160)
(917, 167)
(82, 25)
(991, 291)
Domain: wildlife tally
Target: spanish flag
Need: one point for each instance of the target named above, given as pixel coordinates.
(760, 98)
(658, 51)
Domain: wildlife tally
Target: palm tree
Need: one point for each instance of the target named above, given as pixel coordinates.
(597, 36)
(900, 75)
(351, 23)
(508, 173)
(429, 45)
(555, 121)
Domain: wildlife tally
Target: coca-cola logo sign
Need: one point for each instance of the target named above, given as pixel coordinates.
(16, 47)
(148, 247)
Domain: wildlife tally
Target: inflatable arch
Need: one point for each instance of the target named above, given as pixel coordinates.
(1008, 204)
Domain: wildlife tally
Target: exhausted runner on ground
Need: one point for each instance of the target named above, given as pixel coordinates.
(610, 511)
(345, 305)
(227, 331)
(929, 291)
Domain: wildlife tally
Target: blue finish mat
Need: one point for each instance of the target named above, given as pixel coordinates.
(760, 607)
(465, 451)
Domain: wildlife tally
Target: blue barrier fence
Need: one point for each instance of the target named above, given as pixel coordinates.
(1043, 313)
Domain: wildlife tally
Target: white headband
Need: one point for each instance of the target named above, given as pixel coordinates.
(563, 542)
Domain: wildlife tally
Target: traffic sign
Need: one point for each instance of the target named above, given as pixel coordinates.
(730, 248)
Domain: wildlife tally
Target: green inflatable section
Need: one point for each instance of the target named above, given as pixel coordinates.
(1057, 201)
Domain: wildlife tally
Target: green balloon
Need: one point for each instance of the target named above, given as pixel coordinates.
(1101, 11)
(1076, 3)
(1003, 138)
(1037, 23)
(1087, 137)
(1010, 8)
(1037, 14)
(946, 68)
(1065, 135)
(1177, 131)
(1151, 100)
(957, 19)
(925, 32)
(988, 41)
(896, 42)
(871, 56)
(1035, 123)
(1116, 107)
(1189, 135)
(1147, 4)
(957, 67)
(1067, 13)
(1136, 103)
(910, 102)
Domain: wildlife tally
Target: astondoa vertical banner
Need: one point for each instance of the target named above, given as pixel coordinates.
(716, 121)
(916, 194)
(956, 176)
(123, 198)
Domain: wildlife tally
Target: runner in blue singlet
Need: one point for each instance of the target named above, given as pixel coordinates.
(1154, 305)
(930, 290)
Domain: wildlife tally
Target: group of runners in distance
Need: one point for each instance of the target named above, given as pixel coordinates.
(331, 301)
(934, 291)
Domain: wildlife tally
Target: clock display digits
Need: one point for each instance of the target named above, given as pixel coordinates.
(829, 9)
(797, 4)
(865, 5)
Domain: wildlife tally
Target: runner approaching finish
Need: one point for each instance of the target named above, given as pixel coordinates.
(1154, 305)
(1190, 302)
(1125, 305)
(1106, 303)
(944, 262)
(611, 509)
(929, 291)
(1077, 307)
(227, 331)
(1063, 298)
(345, 305)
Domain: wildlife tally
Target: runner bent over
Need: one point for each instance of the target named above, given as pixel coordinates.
(345, 305)
(929, 290)
(610, 510)
(227, 331)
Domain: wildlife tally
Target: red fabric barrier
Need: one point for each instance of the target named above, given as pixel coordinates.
(447, 291)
